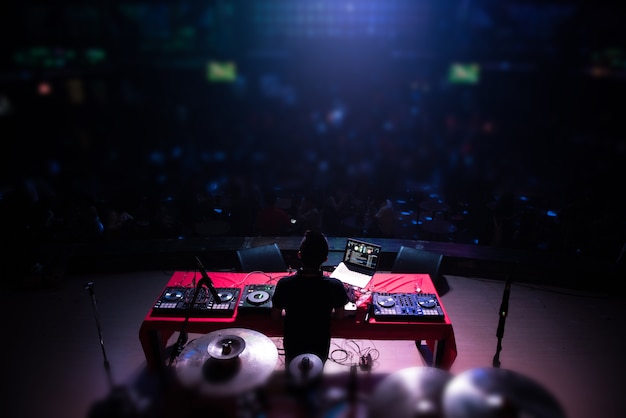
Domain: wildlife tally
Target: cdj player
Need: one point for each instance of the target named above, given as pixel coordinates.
(256, 298)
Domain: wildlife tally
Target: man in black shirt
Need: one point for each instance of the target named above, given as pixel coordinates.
(309, 300)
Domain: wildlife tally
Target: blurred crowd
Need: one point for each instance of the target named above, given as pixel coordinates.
(520, 160)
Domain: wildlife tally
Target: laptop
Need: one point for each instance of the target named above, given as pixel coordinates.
(360, 261)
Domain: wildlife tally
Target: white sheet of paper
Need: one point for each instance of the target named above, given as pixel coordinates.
(343, 273)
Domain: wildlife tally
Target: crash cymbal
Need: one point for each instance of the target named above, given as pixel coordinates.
(412, 392)
(305, 368)
(498, 393)
(227, 362)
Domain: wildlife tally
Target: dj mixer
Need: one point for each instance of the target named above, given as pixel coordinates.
(406, 307)
(177, 301)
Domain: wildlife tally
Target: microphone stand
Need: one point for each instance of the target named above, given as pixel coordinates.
(119, 403)
(209, 282)
(107, 365)
(504, 308)
(182, 336)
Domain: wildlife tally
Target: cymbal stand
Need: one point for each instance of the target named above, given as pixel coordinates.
(504, 308)
(351, 404)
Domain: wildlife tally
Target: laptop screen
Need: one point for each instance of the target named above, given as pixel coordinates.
(362, 255)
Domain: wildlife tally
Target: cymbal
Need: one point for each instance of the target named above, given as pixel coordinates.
(412, 392)
(498, 393)
(305, 368)
(227, 362)
(226, 347)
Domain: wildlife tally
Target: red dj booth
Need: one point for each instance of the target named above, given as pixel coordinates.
(157, 328)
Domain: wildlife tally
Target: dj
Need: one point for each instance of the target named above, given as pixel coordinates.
(310, 301)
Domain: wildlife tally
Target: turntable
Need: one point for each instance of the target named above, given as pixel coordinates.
(174, 295)
(256, 298)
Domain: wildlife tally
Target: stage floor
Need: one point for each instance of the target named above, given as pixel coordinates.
(569, 341)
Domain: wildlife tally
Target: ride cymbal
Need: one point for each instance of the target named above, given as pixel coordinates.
(410, 393)
(227, 362)
(498, 393)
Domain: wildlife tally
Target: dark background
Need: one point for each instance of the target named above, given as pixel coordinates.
(106, 108)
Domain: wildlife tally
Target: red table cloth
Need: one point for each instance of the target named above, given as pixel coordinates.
(155, 331)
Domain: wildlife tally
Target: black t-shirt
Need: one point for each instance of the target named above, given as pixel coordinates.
(308, 300)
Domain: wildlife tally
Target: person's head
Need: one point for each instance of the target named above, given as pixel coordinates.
(313, 249)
